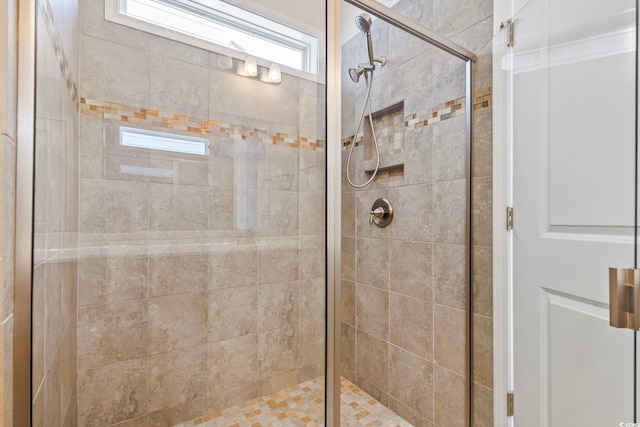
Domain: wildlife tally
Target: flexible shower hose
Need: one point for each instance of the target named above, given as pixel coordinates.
(367, 106)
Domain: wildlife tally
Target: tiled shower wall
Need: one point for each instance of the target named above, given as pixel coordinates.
(404, 303)
(8, 86)
(201, 278)
(54, 294)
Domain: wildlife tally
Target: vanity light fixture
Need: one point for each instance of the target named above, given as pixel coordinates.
(250, 66)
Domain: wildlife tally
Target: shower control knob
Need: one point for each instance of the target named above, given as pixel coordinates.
(377, 213)
(381, 213)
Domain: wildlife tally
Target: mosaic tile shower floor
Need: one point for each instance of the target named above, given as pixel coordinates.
(302, 405)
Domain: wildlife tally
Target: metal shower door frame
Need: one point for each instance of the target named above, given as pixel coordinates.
(333, 188)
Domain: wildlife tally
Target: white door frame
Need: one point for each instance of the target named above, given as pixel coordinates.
(503, 10)
(502, 198)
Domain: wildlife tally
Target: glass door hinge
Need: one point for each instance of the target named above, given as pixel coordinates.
(510, 404)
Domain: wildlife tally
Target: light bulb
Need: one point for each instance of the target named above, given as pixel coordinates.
(250, 66)
(275, 76)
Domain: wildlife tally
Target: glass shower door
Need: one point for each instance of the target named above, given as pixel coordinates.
(179, 221)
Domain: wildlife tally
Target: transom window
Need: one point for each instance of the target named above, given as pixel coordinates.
(212, 23)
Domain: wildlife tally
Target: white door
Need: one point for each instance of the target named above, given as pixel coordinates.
(573, 86)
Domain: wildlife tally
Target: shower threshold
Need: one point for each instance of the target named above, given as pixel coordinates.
(303, 405)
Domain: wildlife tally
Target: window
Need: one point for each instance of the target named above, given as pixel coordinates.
(139, 138)
(212, 24)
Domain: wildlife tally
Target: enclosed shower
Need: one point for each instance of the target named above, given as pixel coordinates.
(213, 245)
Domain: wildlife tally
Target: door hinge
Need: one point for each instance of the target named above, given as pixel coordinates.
(510, 404)
(509, 34)
(509, 218)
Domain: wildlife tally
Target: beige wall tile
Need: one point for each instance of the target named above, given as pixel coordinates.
(222, 209)
(412, 219)
(483, 350)
(450, 213)
(134, 422)
(9, 65)
(348, 214)
(449, 149)
(277, 351)
(411, 265)
(183, 95)
(451, 285)
(37, 325)
(312, 257)
(372, 361)
(112, 332)
(232, 268)
(280, 170)
(102, 391)
(312, 350)
(278, 264)
(482, 406)
(93, 206)
(372, 311)
(411, 381)
(348, 351)
(127, 206)
(450, 347)
(312, 300)
(279, 210)
(278, 382)
(312, 174)
(114, 72)
(449, 398)
(312, 213)
(7, 217)
(178, 207)
(6, 372)
(232, 363)
(408, 414)
(177, 321)
(348, 302)
(412, 325)
(169, 416)
(232, 313)
(482, 142)
(348, 258)
(278, 305)
(372, 262)
(483, 280)
(91, 147)
(418, 165)
(482, 219)
(127, 277)
(231, 397)
(178, 274)
(448, 77)
(177, 377)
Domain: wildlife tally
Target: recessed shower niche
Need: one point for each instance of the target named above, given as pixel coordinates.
(389, 126)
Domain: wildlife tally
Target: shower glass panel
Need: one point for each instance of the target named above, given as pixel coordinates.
(180, 226)
(405, 288)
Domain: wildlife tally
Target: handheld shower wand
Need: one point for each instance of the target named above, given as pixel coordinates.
(363, 22)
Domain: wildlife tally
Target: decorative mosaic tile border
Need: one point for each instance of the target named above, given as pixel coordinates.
(47, 15)
(130, 114)
(448, 110)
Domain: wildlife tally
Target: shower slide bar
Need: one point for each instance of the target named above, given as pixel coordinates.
(396, 19)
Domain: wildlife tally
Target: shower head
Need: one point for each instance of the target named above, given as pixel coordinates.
(363, 22)
(355, 73)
